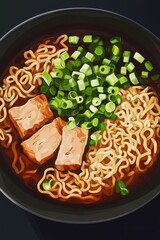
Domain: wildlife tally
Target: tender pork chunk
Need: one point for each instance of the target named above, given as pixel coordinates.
(43, 144)
(71, 149)
(29, 117)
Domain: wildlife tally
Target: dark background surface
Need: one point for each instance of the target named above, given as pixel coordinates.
(17, 224)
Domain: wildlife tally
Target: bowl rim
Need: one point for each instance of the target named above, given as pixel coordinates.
(82, 219)
(65, 9)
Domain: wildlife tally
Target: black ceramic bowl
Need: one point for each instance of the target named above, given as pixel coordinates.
(64, 20)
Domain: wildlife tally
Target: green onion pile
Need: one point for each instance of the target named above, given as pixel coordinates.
(84, 85)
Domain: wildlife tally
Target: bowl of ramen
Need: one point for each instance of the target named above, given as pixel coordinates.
(80, 115)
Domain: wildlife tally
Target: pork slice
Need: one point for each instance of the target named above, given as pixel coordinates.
(71, 149)
(43, 144)
(31, 116)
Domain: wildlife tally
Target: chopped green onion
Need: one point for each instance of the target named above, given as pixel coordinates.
(121, 188)
(65, 104)
(113, 90)
(92, 47)
(144, 74)
(47, 78)
(88, 113)
(91, 142)
(75, 54)
(60, 93)
(100, 43)
(96, 39)
(60, 112)
(44, 88)
(93, 108)
(123, 80)
(111, 97)
(114, 40)
(84, 68)
(99, 50)
(64, 86)
(71, 118)
(102, 126)
(72, 83)
(95, 122)
(65, 72)
(94, 82)
(72, 95)
(130, 66)
(148, 65)
(70, 65)
(104, 69)
(67, 77)
(58, 99)
(113, 117)
(102, 96)
(47, 184)
(86, 125)
(52, 90)
(95, 69)
(89, 91)
(64, 55)
(123, 70)
(96, 136)
(102, 108)
(90, 57)
(126, 85)
(115, 58)
(118, 99)
(126, 56)
(87, 39)
(96, 101)
(133, 78)
(100, 89)
(107, 114)
(53, 104)
(56, 73)
(71, 124)
(110, 107)
(84, 59)
(80, 49)
(115, 50)
(73, 39)
(89, 72)
(106, 61)
(59, 63)
(80, 75)
(79, 99)
(81, 85)
(79, 118)
(137, 56)
(86, 82)
(78, 62)
(112, 79)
